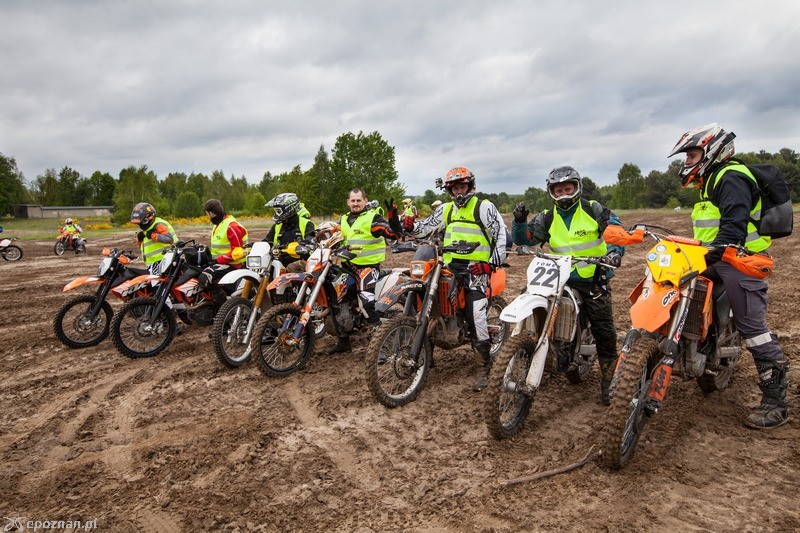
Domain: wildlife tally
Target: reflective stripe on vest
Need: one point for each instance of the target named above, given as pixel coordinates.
(220, 244)
(373, 249)
(462, 226)
(582, 238)
(302, 222)
(706, 215)
(153, 251)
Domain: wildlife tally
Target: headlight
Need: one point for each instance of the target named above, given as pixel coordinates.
(166, 261)
(104, 264)
(253, 262)
(417, 269)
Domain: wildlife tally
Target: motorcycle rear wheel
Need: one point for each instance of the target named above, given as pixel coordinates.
(625, 418)
(231, 346)
(75, 328)
(394, 376)
(272, 345)
(130, 332)
(729, 338)
(506, 406)
(11, 252)
(59, 247)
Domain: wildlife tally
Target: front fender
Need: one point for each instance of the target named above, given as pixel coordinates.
(81, 280)
(653, 307)
(144, 278)
(522, 307)
(393, 295)
(289, 278)
(235, 276)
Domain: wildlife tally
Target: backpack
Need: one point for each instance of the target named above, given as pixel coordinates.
(776, 205)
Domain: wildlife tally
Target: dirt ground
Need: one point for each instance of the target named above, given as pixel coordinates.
(179, 443)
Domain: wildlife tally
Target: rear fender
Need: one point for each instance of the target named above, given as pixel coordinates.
(82, 280)
(290, 278)
(124, 289)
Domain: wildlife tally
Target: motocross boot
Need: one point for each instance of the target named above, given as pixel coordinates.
(483, 348)
(342, 345)
(607, 367)
(773, 382)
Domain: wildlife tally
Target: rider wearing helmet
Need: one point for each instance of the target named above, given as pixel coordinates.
(730, 201)
(409, 210)
(468, 218)
(575, 227)
(156, 234)
(292, 224)
(72, 231)
(228, 239)
(365, 228)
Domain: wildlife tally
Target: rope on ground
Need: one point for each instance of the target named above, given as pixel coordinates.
(590, 455)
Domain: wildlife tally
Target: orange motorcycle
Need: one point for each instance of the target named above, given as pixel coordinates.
(69, 240)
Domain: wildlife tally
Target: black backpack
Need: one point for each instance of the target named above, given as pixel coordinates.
(777, 218)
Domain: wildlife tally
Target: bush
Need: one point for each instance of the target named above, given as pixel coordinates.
(187, 205)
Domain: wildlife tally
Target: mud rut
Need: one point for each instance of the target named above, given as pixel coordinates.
(179, 443)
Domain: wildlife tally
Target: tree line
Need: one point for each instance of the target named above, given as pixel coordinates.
(356, 160)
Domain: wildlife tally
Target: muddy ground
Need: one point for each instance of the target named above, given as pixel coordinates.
(179, 443)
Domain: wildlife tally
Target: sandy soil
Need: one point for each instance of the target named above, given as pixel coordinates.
(179, 443)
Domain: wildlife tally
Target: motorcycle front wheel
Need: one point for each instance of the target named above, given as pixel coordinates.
(625, 417)
(131, 331)
(80, 249)
(229, 332)
(59, 248)
(394, 375)
(277, 352)
(507, 405)
(75, 326)
(11, 252)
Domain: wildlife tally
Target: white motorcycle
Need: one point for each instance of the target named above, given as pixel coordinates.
(549, 331)
(8, 251)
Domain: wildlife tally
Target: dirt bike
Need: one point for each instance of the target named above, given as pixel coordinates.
(8, 251)
(69, 240)
(549, 333)
(681, 324)
(144, 327)
(434, 315)
(84, 320)
(284, 336)
(236, 319)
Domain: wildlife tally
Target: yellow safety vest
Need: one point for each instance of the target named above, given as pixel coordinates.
(706, 215)
(302, 223)
(583, 238)
(153, 251)
(461, 225)
(219, 240)
(373, 249)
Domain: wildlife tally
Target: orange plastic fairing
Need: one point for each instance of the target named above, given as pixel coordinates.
(617, 235)
(756, 265)
(652, 310)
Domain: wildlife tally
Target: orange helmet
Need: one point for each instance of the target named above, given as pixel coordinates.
(460, 175)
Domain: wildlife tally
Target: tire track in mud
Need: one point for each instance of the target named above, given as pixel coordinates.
(119, 460)
(340, 452)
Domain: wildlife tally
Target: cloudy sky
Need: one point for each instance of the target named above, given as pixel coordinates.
(508, 88)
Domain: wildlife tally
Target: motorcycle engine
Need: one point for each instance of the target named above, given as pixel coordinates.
(203, 316)
(345, 319)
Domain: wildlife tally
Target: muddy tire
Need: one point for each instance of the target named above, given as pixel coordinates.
(131, 333)
(231, 346)
(625, 418)
(272, 344)
(394, 376)
(721, 378)
(75, 328)
(507, 406)
(59, 248)
(12, 252)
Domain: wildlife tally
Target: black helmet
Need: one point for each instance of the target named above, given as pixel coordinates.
(564, 175)
(285, 205)
(143, 214)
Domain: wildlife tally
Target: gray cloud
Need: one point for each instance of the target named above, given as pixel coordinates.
(510, 89)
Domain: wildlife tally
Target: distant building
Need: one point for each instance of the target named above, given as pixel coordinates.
(61, 211)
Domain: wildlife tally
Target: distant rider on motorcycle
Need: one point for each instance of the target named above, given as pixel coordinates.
(73, 231)
(228, 238)
(470, 219)
(292, 224)
(365, 228)
(575, 227)
(155, 237)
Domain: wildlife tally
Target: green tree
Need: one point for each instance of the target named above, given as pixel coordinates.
(219, 188)
(188, 205)
(135, 185)
(630, 190)
(198, 184)
(45, 188)
(98, 189)
(237, 195)
(590, 191)
(68, 180)
(254, 205)
(537, 200)
(316, 177)
(12, 184)
(660, 188)
(365, 161)
(171, 186)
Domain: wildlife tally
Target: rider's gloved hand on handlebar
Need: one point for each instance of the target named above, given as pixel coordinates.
(520, 213)
(613, 259)
(140, 236)
(480, 268)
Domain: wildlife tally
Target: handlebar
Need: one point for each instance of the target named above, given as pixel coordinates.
(575, 259)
